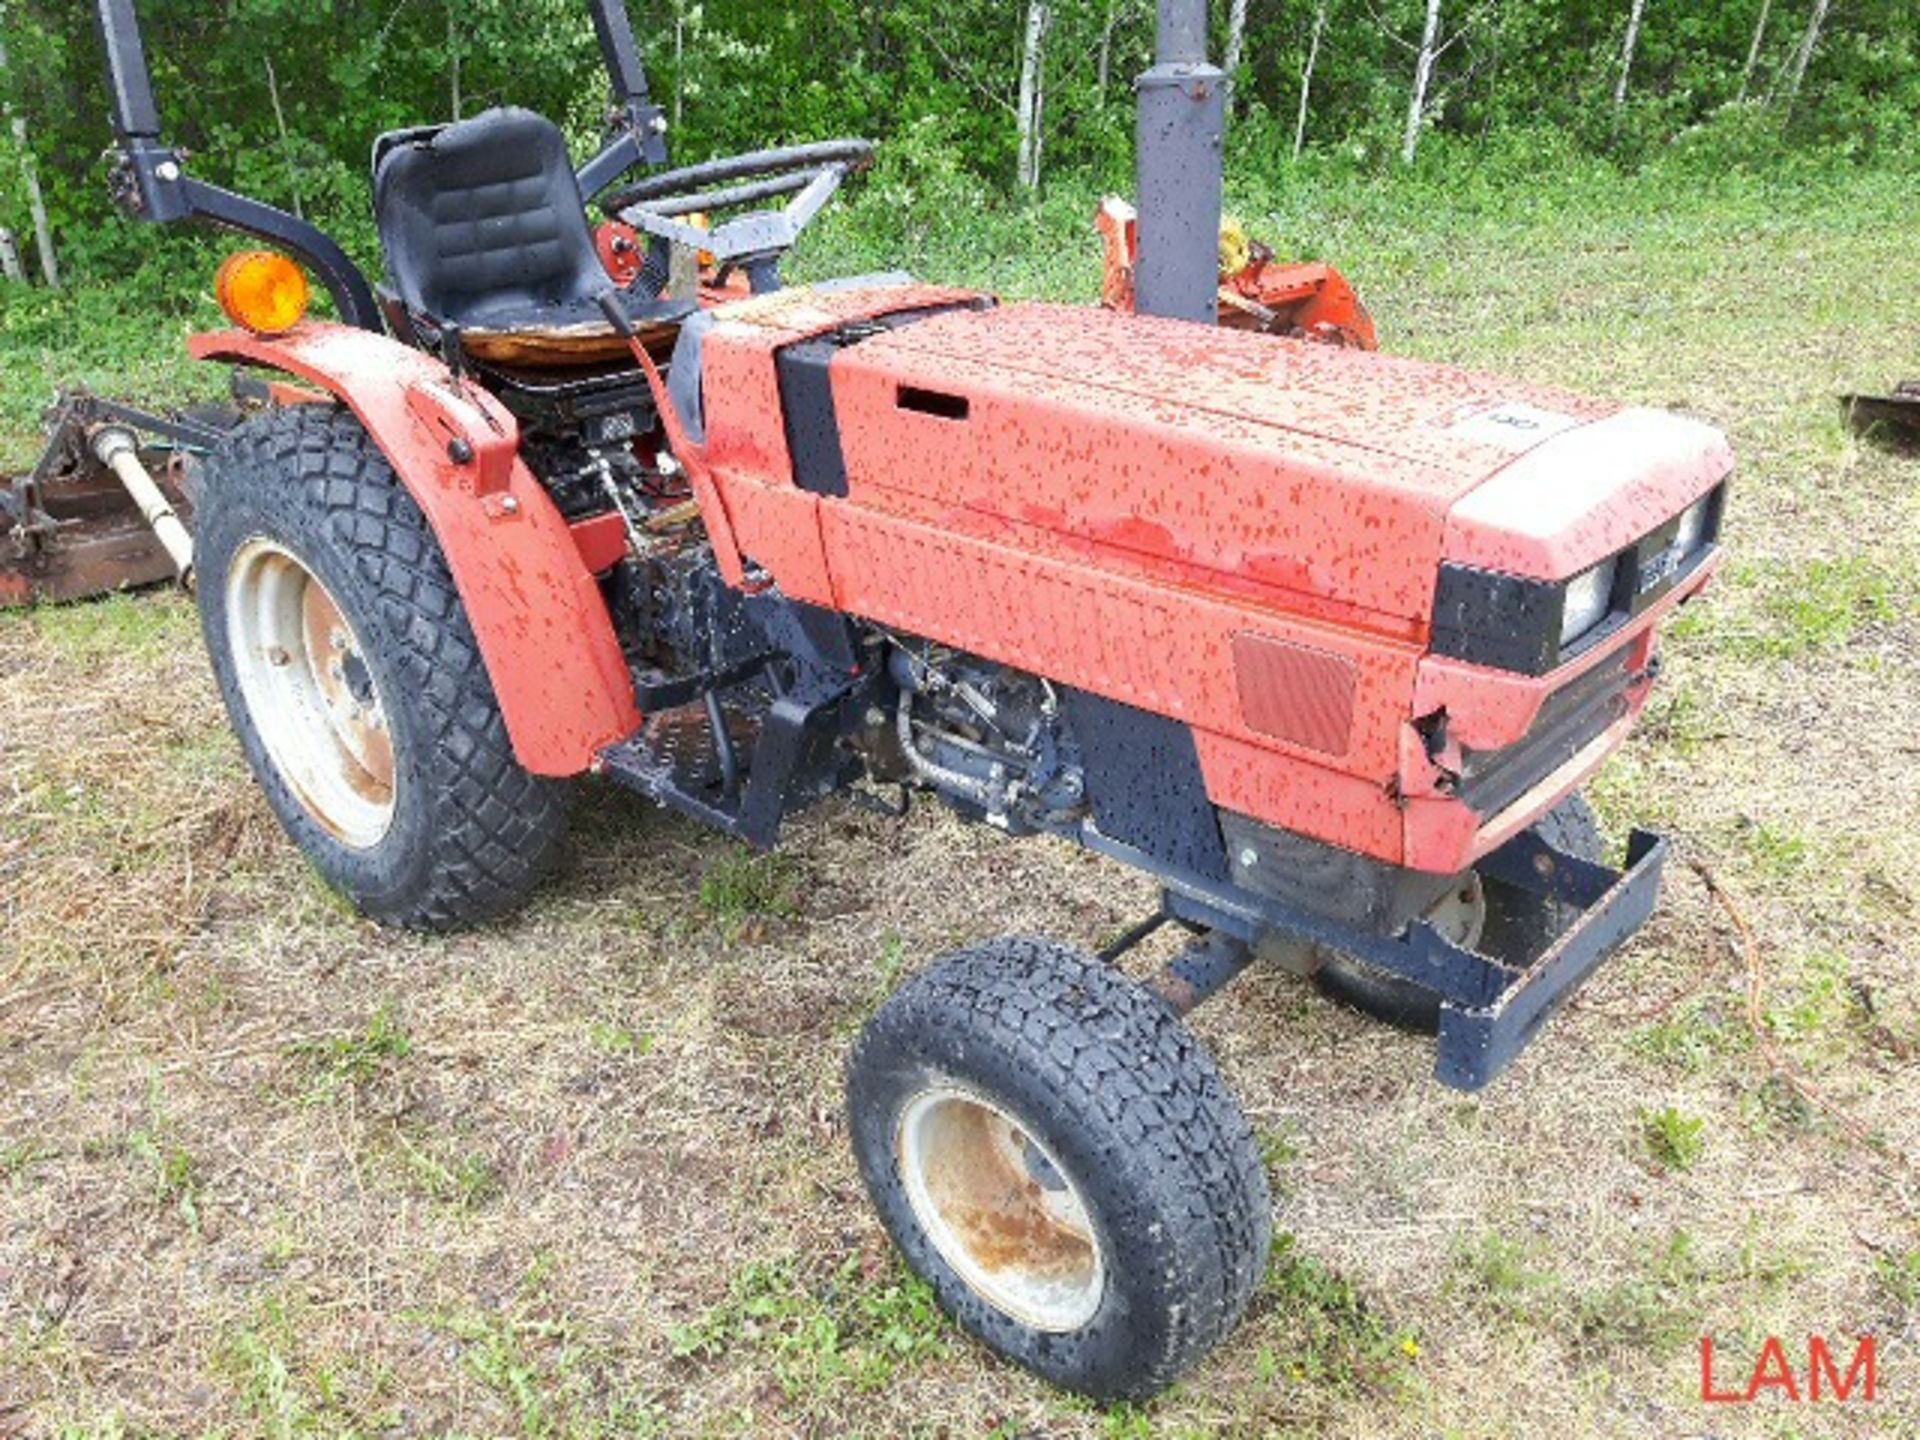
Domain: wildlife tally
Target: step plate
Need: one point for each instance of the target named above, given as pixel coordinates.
(673, 761)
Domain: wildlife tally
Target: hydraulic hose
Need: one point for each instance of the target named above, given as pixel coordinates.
(938, 776)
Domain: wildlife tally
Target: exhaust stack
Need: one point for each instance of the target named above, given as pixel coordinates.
(1182, 123)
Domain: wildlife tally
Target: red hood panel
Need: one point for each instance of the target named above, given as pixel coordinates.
(1458, 426)
(1269, 468)
(1277, 467)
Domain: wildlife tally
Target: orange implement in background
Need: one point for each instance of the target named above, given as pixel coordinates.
(1308, 300)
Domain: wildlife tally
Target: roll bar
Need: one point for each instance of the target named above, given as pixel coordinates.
(150, 180)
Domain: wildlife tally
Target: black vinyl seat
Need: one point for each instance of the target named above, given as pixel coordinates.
(483, 227)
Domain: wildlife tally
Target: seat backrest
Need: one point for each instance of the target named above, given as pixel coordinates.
(482, 218)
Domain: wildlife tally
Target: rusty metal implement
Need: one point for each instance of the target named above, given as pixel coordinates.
(1896, 414)
(106, 507)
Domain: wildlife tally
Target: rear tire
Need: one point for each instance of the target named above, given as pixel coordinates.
(1515, 924)
(1054, 1152)
(353, 679)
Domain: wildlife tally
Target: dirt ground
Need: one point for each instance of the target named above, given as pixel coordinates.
(267, 1170)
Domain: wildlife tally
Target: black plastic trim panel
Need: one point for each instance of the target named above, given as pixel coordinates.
(1145, 785)
(804, 369)
(1572, 718)
(1511, 622)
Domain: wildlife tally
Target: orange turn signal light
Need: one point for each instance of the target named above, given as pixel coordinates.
(262, 291)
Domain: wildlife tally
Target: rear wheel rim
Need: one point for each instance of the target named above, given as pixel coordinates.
(310, 693)
(1000, 1209)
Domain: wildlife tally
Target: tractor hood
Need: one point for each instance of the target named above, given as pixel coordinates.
(1251, 462)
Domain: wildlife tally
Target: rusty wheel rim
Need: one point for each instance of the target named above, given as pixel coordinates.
(1460, 915)
(310, 693)
(1000, 1209)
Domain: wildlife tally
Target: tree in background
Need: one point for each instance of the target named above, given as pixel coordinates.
(1803, 55)
(1031, 112)
(1236, 46)
(281, 98)
(1753, 50)
(1428, 56)
(1306, 75)
(30, 180)
(1627, 47)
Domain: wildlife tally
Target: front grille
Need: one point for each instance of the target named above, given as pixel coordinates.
(1572, 718)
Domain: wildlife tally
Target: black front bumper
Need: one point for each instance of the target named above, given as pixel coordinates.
(1491, 1010)
(1480, 1037)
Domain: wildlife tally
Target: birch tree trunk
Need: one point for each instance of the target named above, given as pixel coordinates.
(1103, 66)
(286, 140)
(1033, 99)
(1306, 77)
(1236, 44)
(1753, 50)
(453, 62)
(1422, 78)
(10, 258)
(1627, 48)
(679, 62)
(1803, 56)
(36, 202)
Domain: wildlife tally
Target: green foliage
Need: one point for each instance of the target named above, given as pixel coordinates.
(1899, 1277)
(548, 1374)
(937, 82)
(1335, 1338)
(1818, 606)
(610, 1037)
(1693, 1036)
(356, 1059)
(463, 1181)
(169, 1172)
(741, 886)
(1656, 1307)
(1674, 1139)
(1511, 1277)
(817, 1335)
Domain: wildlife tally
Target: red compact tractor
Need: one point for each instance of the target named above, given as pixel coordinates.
(1324, 641)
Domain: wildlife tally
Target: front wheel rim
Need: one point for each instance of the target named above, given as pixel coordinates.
(309, 693)
(1000, 1209)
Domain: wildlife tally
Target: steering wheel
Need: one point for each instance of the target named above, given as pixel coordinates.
(756, 240)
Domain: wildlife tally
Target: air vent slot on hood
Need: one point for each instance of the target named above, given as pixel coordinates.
(933, 402)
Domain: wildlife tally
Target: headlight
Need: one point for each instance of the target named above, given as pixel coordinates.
(1589, 598)
(1693, 526)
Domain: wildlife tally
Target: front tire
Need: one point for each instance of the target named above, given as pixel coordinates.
(353, 679)
(1054, 1152)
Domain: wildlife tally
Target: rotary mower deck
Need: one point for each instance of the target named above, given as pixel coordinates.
(105, 506)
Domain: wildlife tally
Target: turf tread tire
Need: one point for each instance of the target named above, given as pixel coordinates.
(1129, 1100)
(474, 832)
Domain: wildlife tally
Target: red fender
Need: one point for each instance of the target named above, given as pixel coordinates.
(543, 628)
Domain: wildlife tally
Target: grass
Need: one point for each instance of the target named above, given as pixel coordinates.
(1341, 1341)
(584, 1173)
(1673, 1139)
(815, 1334)
(357, 1058)
(742, 889)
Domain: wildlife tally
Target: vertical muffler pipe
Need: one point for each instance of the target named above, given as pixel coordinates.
(120, 453)
(1183, 112)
